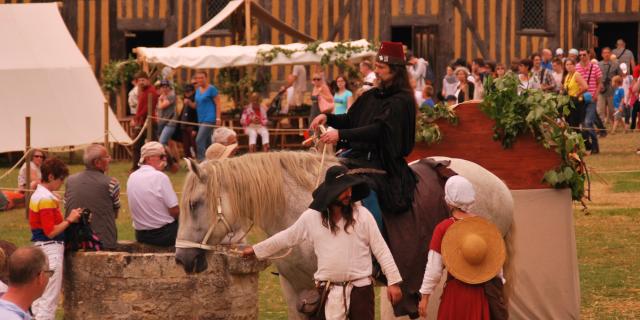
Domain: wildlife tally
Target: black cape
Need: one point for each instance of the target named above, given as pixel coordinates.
(379, 128)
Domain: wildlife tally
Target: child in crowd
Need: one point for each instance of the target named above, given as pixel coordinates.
(618, 104)
(427, 95)
(451, 100)
(254, 122)
(627, 80)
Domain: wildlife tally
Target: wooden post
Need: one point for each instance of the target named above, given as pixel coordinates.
(27, 161)
(121, 100)
(149, 115)
(106, 127)
(247, 22)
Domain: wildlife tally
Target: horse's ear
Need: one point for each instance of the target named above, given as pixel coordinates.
(193, 167)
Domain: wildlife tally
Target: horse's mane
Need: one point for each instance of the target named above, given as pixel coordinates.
(254, 183)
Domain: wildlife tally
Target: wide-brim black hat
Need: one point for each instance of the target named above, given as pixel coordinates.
(336, 181)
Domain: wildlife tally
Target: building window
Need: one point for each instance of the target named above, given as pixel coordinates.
(213, 7)
(532, 15)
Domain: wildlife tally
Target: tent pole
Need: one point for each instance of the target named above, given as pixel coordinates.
(106, 126)
(247, 21)
(27, 161)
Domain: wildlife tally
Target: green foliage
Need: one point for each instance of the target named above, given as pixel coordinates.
(426, 128)
(117, 72)
(339, 55)
(238, 83)
(541, 114)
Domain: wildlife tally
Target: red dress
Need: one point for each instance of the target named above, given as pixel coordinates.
(459, 300)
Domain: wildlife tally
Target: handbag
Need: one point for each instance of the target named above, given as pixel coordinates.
(311, 301)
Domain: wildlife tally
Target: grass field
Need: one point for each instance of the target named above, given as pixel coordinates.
(607, 238)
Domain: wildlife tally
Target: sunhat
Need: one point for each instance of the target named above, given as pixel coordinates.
(473, 250)
(336, 181)
(219, 151)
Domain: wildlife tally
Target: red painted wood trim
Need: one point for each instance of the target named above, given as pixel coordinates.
(520, 167)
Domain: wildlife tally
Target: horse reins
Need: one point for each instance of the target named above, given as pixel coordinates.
(220, 218)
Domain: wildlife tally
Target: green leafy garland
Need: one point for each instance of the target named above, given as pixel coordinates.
(117, 72)
(238, 83)
(339, 55)
(426, 128)
(539, 113)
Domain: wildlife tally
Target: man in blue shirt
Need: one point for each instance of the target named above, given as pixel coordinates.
(208, 108)
(28, 277)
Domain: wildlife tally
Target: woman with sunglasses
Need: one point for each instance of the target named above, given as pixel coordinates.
(321, 96)
(47, 232)
(37, 158)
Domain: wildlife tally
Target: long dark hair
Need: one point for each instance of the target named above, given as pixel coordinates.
(347, 215)
(400, 79)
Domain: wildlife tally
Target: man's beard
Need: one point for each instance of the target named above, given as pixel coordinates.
(341, 203)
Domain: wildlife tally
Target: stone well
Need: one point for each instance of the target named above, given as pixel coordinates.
(144, 282)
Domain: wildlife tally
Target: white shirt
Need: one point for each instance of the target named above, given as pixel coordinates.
(150, 196)
(133, 100)
(341, 256)
(10, 311)
(418, 95)
(369, 78)
(300, 72)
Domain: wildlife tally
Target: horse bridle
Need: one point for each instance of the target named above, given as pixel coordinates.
(220, 218)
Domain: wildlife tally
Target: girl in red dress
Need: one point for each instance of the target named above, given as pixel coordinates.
(459, 300)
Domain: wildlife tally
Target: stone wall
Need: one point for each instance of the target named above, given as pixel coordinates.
(136, 284)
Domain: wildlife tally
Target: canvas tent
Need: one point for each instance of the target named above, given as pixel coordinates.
(238, 56)
(44, 75)
(176, 56)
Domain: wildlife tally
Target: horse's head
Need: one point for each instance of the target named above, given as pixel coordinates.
(200, 218)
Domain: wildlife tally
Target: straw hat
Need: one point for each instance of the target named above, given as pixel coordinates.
(219, 151)
(473, 250)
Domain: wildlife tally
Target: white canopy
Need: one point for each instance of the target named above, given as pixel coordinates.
(45, 76)
(236, 56)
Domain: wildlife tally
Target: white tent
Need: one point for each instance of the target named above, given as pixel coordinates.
(44, 75)
(238, 56)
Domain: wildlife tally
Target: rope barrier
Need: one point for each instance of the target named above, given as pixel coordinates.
(217, 126)
(15, 166)
(133, 141)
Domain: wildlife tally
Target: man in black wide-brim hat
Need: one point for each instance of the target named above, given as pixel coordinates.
(343, 234)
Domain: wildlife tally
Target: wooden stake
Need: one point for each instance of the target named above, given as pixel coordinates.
(27, 161)
(106, 127)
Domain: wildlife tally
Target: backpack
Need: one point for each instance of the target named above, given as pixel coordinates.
(80, 236)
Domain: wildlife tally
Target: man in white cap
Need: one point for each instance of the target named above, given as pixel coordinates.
(573, 54)
(560, 54)
(152, 201)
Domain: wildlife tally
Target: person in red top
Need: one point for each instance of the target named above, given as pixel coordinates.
(47, 232)
(459, 299)
(145, 89)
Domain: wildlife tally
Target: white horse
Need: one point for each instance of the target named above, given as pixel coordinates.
(270, 191)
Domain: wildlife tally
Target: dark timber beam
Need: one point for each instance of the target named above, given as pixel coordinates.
(472, 27)
(338, 26)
